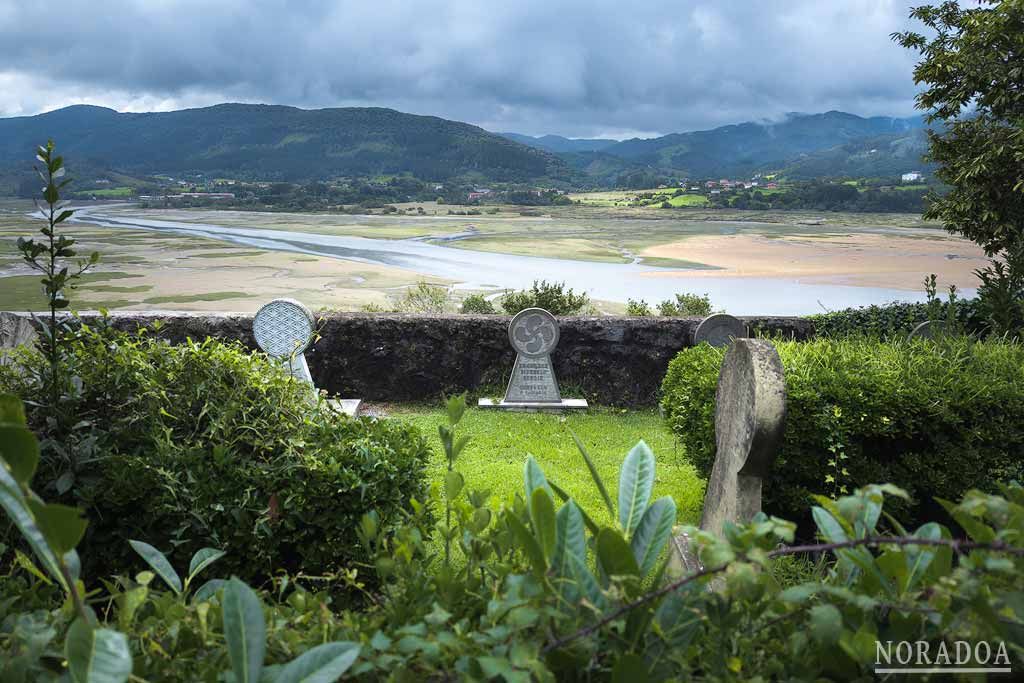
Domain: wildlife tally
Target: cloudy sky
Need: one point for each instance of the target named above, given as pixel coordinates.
(603, 68)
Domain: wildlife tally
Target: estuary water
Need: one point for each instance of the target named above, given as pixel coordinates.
(488, 270)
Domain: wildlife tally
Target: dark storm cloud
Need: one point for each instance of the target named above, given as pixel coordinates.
(567, 66)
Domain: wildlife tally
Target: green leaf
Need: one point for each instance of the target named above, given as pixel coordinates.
(542, 513)
(97, 655)
(629, 668)
(570, 538)
(453, 483)
(566, 498)
(975, 528)
(20, 450)
(827, 525)
(208, 590)
(919, 558)
(614, 554)
(636, 481)
(653, 533)
(528, 544)
(203, 558)
(62, 525)
(533, 477)
(323, 664)
(16, 507)
(594, 475)
(12, 410)
(158, 561)
(244, 630)
(826, 624)
(456, 408)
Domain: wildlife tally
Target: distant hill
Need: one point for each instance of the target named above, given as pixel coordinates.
(276, 142)
(748, 147)
(558, 144)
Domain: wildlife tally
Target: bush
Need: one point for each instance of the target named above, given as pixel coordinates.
(890, 321)
(553, 297)
(686, 304)
(541, 592)
(638, 309)
(478, 303)
(425, 298)
(933, 418)
(205, 444)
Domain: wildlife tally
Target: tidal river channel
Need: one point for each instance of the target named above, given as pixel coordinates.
(488, 270)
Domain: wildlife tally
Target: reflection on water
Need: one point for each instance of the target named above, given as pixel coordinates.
(482, 270)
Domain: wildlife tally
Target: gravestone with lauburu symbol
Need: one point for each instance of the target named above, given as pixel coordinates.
(284, 329)
(534, 335)
(750, 413)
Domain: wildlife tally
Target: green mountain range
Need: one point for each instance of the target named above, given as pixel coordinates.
(799, 146)
(268, 142)
(276, 143)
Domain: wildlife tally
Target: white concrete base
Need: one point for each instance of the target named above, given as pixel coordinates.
(349, 406)
(532, 407)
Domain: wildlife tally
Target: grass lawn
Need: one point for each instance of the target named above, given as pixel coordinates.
(500, 442)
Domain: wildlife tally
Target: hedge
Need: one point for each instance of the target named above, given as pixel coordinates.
(934, 418)
(893, 320)
(205, 444)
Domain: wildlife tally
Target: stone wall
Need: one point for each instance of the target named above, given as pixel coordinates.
(391, 357)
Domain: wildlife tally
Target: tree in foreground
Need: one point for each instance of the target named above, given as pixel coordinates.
(972, 70)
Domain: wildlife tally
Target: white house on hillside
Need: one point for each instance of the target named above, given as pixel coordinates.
(911, 177)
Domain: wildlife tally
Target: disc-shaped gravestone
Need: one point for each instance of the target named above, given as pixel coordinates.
(719, 330)
(533, 332)
(929, 329)
(750, 411)
(284, 329)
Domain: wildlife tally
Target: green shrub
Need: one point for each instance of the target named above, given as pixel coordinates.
(205, 444)
(425, 298)
(933, 418)
(478, 303)
(890, 321)
(686, 304)
(540, 592)
(555, 298)
(638, 309)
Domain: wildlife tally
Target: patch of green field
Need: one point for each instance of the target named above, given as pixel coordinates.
(661, 262)
(189, 298)
(109, 192)
(25, 292)
(116, 288)
(225, 254)
(689, 200)
(500, 442)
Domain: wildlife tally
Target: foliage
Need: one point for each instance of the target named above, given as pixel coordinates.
(479, 304)
(50, 257)
(555, 298)
(93, 652)
(544, 593)
(1001, 294)
(424, 298)
(971, 76)
(686, 304)
(894, 320)
(638, 309)
(204, 444)
(971, 64)
(935, 418)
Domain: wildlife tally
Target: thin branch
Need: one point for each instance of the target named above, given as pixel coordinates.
(956, 544)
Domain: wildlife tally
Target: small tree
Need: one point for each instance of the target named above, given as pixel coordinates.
(686, 304)
(478, 303)
(554, 297)
(638, 309)
(50, 257)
